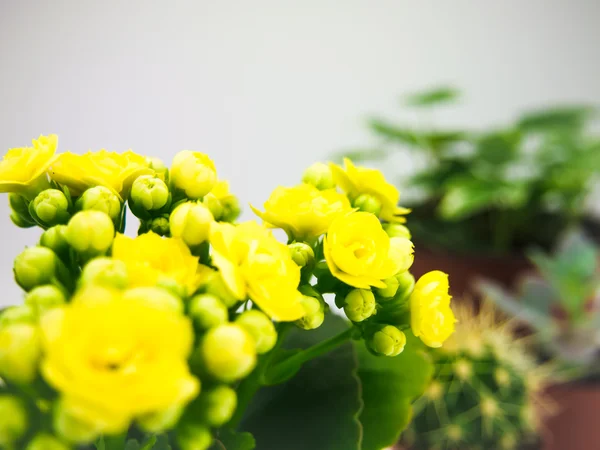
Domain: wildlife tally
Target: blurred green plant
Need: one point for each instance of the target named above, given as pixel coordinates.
(496, 190)
(487, 390)
(561, 304)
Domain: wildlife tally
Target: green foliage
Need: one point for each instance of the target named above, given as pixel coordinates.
(484, 394)
(561, 303)
(497, 185)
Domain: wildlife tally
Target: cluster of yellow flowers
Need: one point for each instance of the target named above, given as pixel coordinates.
(124, 329)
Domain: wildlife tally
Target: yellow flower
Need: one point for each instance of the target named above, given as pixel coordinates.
(23, 169)
(150, 259)
(303, 210)
(113, 360)
(116, 171)
(355, 181)
(432, 319)
(253, 263)
(194, 173)
(359, 253)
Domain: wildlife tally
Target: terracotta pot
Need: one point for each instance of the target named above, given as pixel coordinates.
(465, 269)
(575, 425)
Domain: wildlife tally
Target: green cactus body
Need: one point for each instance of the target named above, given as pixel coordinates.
(486, 392)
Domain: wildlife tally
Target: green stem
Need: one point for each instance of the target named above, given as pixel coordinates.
(310, 353)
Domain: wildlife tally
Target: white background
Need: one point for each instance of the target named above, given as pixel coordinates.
(266, 87)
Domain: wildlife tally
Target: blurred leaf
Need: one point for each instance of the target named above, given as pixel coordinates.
(431, 97)
(316, 409)
(432, 140)
(231, 440)
(357, 155)
(498, 147)
(389, 386)
(556, 118)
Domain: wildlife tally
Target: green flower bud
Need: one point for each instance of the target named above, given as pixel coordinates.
(360, 305)
(157, 422)
(172, 286)
(17, 314)
(104, 271)
(45, 441)
(35, 266)
(159, 225)
(302, 254)
(44, 298)
(367, 203)
(229, 352)
(13, 420)
(155, 296)
(100, 198)
(72, 428)
(390, 289)
(20, 221)
(388, 341)
(193, 437)
(214, 206)
(50, 207)
(191, 222)
(217, 405)
(148, 193)
(90, 233)
(397, 230)
(314, 313)
(19, 352)
(208, 311)
(20, 211)
(159, 167)
(193, 173)
(55, 239)
(319, 175)
(217, 287)
(231, 209)
(260, 327)
(406, 284)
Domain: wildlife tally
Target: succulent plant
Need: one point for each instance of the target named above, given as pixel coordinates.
(486, 393)
(561, 304)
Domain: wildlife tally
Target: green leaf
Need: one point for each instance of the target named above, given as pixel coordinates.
(358, 155)
(426, 140)
(149, 444)
(498, 147)
(100, 444)
(555, 118)
(389, 386)
(317, 409)
(231, 440)
(430, 97)
(462, 200)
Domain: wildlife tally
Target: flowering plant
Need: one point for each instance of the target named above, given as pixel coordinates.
(165, 340)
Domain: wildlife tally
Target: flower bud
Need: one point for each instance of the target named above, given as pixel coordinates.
(159, 225)
(390, 289)
(148, 194)
(13, 420)
(388, 341)
(193, 437)
(360, 305)
(45, 441)
(191, 222)
(302, 254)
(17, 314)
(155, 296)
(35, 266)
(20, 221)
(159, 167)
(100, 198)
(90, 233)
(193, 173)
(406, 284)
(50, 207)
(217, 405)
(157, 422)
(19, 352)
(319, 175)
(43, 298)
(231, 209)
(55, 239)
(72, 428)
(217, 287)
(214, 205)
(172, 286)
(260, 327)
(367, 203)
(314, 313)
(104, 271)
(229, 352)
(396, 230)
(208, 311)
(20, 211)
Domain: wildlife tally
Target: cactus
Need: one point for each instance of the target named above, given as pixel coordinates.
(486, 393)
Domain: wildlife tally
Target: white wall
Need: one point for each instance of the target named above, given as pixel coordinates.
(268, 86)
